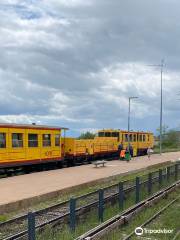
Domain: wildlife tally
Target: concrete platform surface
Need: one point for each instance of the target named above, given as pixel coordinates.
(21, 187)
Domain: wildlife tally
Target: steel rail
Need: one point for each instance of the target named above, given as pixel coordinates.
(153, 217)
(125, 215)
(176, 236)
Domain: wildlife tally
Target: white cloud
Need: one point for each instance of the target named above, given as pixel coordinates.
(69, 3)
(76, 62)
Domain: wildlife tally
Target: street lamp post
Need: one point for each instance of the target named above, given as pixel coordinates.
(129, 118)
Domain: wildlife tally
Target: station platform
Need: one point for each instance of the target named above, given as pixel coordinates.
(15, 190)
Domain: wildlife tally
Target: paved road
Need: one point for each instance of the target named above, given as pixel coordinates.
(22, 187)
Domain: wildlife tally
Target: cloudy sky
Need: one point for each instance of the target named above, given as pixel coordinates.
(74, 63)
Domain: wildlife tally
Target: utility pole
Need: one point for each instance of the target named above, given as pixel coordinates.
(160, 143)
(161, 103)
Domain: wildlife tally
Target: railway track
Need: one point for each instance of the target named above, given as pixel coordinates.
(148, 221)
(125, 216)
(15, 228)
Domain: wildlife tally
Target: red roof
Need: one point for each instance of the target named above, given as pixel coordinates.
(30, 126)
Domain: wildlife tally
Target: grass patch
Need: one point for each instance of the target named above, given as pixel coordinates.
(3, 218)
(169, 219)
(166, 149)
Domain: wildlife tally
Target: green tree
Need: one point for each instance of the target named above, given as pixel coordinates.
(164, 130)
(171, 139)
(87, 135)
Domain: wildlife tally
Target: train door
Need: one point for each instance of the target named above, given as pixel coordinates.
(4, 145)
(136, 144)
(50, 145)
(17, 145)
(56, 144)
(140, 144)
(132, 140)
(91, 147)
(33, 150)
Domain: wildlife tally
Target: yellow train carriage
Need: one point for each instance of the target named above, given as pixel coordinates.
(139, 141)
(75, 147)
(22, 145)
(76, 150)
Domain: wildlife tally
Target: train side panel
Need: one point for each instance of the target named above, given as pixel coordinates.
(26, 146)
(140, 141)
(104, 145)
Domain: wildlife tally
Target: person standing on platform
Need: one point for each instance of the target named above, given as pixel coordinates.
(149, 152)
(120, 148)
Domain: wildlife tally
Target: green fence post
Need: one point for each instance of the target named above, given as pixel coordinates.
(31, 226)
(137, 189)
(72, 206)
(160, 177)
(149, 183)
(176, 171)
(168, 173)
(121, 196)
(101, 205)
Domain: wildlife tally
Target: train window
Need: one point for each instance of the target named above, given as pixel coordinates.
(46, 140)
(17, 140)
(107, 134)
(148, 137)
(2, 140)
(140, 138)
(100, 134)
(134, 137)
(32, 140)
(130, 138)
(126, 137)
(57, 140)
(144, 138)
(115, 134)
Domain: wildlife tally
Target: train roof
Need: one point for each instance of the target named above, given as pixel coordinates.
(30, 126)
(120, 130)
